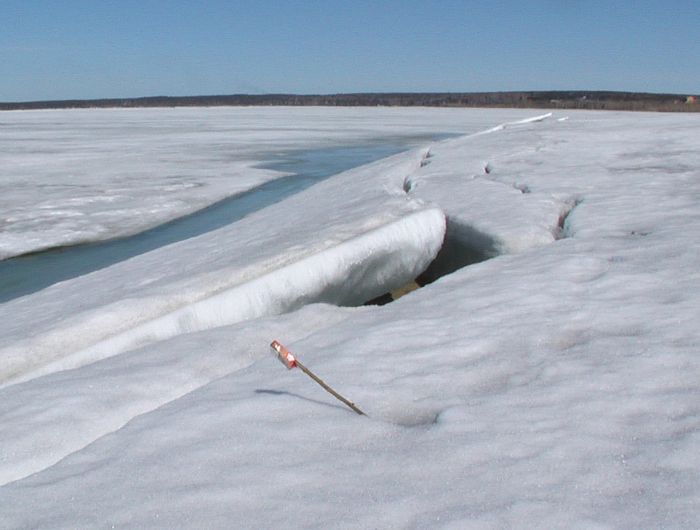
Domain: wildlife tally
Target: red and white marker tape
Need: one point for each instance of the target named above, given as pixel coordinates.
(284, 355)
(287, 359)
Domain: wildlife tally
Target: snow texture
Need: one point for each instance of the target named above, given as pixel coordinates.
(556, 385)
(77, 176)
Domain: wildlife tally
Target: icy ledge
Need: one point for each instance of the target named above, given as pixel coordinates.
(349, 273)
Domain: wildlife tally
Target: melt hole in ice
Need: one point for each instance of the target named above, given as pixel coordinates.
(562, 230)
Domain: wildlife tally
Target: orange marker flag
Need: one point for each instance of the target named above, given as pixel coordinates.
(290, 361)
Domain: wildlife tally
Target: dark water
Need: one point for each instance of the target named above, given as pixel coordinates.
(30, 273)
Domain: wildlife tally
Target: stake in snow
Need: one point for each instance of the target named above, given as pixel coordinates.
(287, 358)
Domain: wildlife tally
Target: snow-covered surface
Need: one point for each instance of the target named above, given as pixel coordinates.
(554, 386)
(73, 176)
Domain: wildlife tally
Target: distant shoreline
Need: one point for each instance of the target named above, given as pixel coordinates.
(594, 100)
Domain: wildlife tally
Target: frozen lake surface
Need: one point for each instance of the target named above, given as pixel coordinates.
(556, 385)
(29, 273)
(77, 176)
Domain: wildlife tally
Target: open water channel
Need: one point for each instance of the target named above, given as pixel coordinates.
(26, 274)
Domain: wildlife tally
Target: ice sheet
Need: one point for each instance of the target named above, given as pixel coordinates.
(554, 386)
(74, 176)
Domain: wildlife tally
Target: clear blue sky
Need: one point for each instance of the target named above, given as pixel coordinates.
(125, 48)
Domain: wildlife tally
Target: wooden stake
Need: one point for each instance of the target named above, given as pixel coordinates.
(329, 389)
(290, 361)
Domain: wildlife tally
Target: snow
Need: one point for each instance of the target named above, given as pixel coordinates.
(553, 386)
(331, 253)
(76, 176)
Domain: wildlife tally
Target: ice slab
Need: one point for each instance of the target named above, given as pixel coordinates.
(270, 262)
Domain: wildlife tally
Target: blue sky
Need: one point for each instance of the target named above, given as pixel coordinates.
(125, 48)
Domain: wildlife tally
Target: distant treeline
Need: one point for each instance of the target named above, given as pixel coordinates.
(552, 99)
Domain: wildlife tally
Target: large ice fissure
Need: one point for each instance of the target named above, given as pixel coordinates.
(348, 273)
